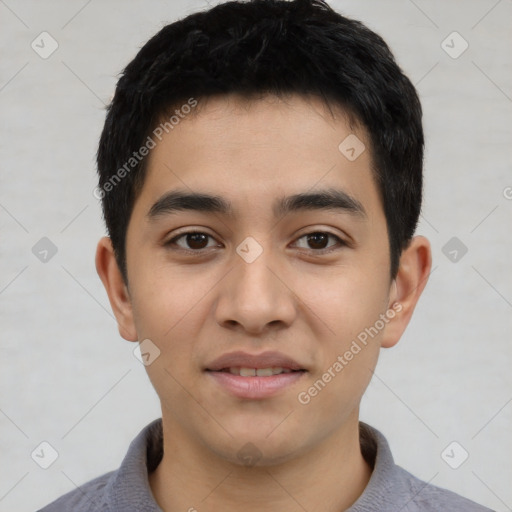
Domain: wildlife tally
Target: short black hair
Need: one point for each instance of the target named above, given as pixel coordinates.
(260, 47)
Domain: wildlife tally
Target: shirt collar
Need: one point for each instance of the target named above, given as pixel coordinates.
(129, 488)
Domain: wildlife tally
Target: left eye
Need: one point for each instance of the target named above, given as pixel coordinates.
(197, 241)
(318, 240)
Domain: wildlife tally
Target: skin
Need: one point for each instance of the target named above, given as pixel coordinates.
(305, 304)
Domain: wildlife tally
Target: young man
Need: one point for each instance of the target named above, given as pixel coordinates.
(261, 179)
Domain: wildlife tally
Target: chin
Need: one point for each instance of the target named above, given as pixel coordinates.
(255, 447)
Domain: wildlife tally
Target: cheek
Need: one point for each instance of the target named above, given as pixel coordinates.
(347, 308)
(173, 323)
(345, 302)
(163, 298)
(170, 308)
(348, 350)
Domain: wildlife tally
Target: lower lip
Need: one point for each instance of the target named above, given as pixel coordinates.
(255, 387)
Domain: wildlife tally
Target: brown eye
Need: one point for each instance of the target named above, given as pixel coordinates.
(318, 241)
(193, 241)
(197, 240)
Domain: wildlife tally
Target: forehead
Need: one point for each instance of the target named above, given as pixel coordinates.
(252, 151)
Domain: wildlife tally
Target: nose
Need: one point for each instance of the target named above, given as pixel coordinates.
(255, 297)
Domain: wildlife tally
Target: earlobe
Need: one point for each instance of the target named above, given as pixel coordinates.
(110, 275)
(412, 277)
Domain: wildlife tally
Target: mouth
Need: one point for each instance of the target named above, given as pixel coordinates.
(246, 364)
(254, 377)
(255, 387)
(256, 372)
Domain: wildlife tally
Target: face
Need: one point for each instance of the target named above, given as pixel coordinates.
(260, 268)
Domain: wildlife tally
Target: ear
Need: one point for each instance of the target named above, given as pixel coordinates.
(411, 279)
(118, 295)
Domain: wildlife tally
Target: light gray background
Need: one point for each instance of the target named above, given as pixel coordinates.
(68, 378)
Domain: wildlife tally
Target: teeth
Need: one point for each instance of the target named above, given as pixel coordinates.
(259, 372)
(267, 372)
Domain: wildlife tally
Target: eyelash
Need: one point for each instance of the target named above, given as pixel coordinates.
(197, 252)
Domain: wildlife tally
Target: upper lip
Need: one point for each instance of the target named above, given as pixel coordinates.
(242, 359)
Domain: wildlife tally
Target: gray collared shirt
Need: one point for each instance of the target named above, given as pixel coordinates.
(390, 489)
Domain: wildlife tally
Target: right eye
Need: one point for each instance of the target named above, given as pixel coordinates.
(194, 241)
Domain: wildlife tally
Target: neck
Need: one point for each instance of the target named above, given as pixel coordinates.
(329, 477)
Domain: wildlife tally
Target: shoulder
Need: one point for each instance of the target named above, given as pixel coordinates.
(391, 488)
(420, 496)
(127, 488)
(89, 497)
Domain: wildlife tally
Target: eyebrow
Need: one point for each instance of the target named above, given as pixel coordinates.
(329, 200)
